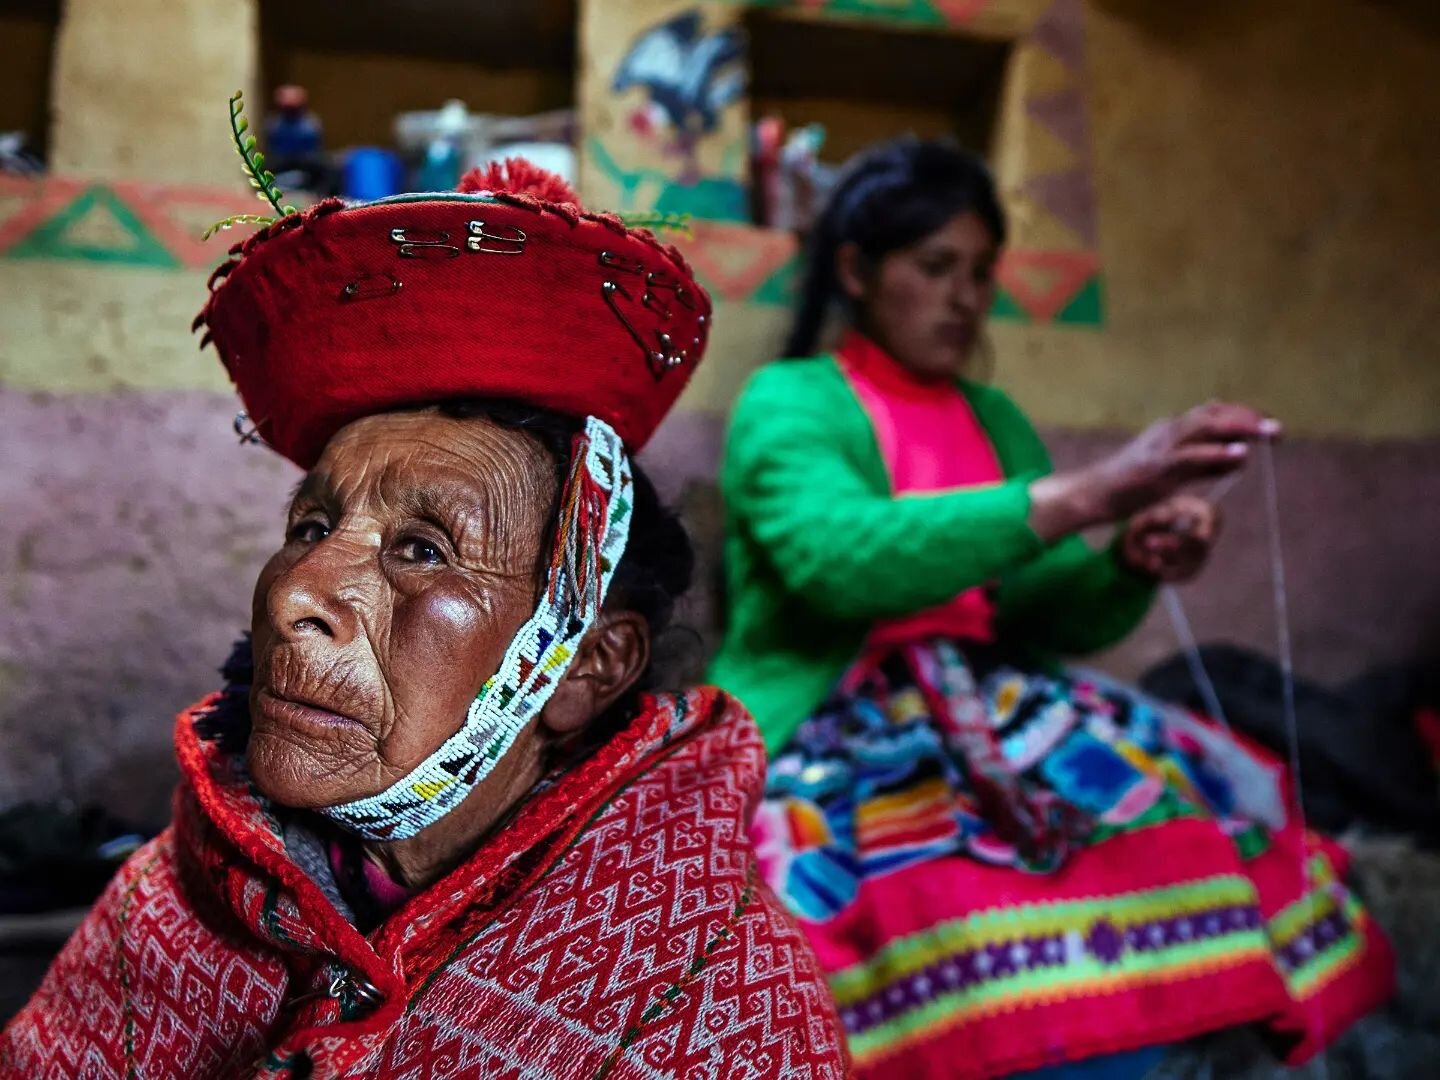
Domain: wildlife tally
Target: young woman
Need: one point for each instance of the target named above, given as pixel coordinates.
(1000, 865)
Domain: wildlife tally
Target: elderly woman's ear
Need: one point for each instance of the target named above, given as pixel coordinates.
(611, 657)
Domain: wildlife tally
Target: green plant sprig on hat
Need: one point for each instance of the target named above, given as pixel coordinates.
(253, 163)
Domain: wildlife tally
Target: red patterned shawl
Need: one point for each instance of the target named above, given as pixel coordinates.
(615, 928)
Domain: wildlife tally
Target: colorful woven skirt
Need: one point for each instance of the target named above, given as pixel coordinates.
(1004, 870)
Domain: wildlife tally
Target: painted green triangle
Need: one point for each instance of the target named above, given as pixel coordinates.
(779, 287)
(1086, 308)
(1005, 307)
(710, 198)
(915, 11)
(48, 240)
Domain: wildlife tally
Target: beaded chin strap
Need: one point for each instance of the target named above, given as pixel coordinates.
(594, 525)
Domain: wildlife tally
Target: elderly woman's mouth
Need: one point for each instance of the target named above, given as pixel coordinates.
(304, 715)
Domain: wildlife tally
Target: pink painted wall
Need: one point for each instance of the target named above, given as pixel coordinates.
(1358, 527)
(131, 533)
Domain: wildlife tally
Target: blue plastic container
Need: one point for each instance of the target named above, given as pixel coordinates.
(372, 173)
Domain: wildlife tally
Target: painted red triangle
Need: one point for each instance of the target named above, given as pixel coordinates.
(959, 12)
(1043, 282)
(735, 260)
(160, 207)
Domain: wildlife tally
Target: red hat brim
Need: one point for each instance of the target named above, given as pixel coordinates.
(342, 312)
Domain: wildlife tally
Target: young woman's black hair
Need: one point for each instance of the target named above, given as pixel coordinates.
(889, 197)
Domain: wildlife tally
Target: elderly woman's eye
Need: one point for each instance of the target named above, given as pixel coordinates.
(309, 531)
(418, 549)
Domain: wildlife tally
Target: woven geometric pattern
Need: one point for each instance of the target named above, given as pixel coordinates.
(143, 962)
(615, 928)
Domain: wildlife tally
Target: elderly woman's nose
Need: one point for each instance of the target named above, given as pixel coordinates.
(316, 596)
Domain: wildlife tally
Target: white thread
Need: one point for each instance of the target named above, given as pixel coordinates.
(1284, 647)
(1223, 487)
(1191, 651)
(1180, 622)
(1280, 597)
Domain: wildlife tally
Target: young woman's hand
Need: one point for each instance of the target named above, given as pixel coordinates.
(1172, 540)
(1205, 443)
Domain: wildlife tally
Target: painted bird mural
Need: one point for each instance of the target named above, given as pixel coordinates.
(690, 76)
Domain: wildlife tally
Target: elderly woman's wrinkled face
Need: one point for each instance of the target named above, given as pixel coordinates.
(411, 558)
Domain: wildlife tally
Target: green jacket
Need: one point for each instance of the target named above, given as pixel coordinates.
(818, 547)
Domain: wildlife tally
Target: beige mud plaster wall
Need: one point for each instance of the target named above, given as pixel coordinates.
(1267, 178)
(742, 337)
(139, 93)
(133, 523)
(78, 327)
(140, 88)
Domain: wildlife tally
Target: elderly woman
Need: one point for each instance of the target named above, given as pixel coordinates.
(1001, 865)
(432, 827)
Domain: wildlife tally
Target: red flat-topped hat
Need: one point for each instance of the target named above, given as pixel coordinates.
(505, 288)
